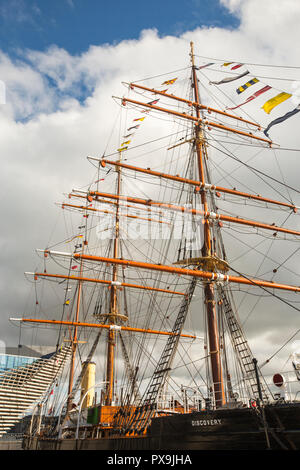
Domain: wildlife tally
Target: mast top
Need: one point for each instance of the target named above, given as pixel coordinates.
(192, 54)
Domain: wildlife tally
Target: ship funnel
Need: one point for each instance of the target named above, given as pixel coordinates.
(88, 384)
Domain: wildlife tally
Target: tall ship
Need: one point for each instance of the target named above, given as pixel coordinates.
(171, 252)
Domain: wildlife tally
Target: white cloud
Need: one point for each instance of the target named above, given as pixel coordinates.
(18, 11)
(26, 89)
(272, 23)
(234, 6)
(59, 110)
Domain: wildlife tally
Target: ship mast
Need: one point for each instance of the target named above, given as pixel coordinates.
(113, 315)
(74, 340)
(209, 297)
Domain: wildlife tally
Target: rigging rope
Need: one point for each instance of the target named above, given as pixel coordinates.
(282, 300)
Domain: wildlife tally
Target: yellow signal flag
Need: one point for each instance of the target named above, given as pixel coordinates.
(67, 302)
(270, 104)
(126, 143)
(227, 63)
(139, 119)
(122, 149)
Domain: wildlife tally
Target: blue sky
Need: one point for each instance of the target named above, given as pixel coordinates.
(76, 24)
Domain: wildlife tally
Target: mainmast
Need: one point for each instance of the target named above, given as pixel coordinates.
(209, 296)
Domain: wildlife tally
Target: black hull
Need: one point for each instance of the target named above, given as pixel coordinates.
(224, 429)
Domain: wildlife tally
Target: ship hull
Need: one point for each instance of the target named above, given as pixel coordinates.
(223, 429)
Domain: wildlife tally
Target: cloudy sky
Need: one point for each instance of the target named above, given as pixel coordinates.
(60, 63)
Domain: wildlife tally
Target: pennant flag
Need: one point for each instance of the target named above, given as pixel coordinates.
(139, 119)
(101, 179)
(67, 302)
(74, 267)
(236, 66)
(163, 91)
(227, 63)
(170, 82)
(246, 86)
(133, 127)
(281, 119)
(203, 66)
(73, 238)
(146, 111)
(270, 104)
(122, 149)
(154, 101)
(229, 79)
(126, 136)
(125, 143)
(252, 97)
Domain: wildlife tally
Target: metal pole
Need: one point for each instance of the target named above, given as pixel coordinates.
(257, 379)
(81, 402)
